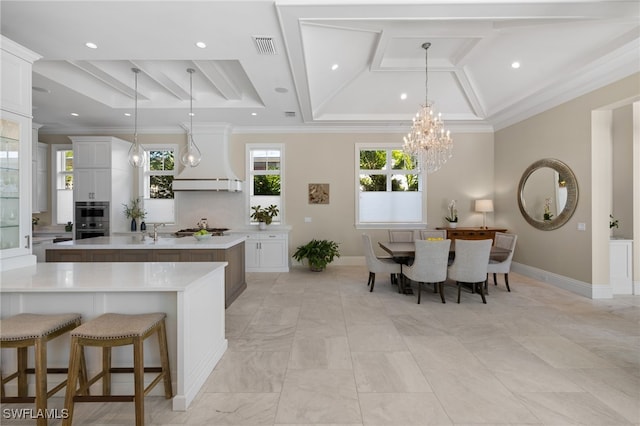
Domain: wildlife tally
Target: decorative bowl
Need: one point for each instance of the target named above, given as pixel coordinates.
(202, 237)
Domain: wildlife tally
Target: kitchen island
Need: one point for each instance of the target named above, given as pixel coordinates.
(226, 248)
(191, 294)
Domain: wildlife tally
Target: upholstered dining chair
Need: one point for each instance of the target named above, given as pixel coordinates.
(433, 233)
(378, 264)
(429, 265)
(506, 241)
(401, 235)
(470, 264)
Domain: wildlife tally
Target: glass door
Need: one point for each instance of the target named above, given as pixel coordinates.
(9, 184)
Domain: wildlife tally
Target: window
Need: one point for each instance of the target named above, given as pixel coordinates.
(389, 187)
(157, 183)
(62, 201)
(266, 175)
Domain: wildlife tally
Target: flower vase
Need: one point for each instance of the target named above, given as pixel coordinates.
(262, 226)
(134, 225)
(453, 224)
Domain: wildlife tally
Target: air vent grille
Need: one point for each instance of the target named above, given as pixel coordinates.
(265, 45)
(289, 113)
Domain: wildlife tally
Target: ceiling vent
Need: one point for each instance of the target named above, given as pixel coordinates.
(289, 113)
(265, 45)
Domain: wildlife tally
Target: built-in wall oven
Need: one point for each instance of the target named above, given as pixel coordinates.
(92, 219)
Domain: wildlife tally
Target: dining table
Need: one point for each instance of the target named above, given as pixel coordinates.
(401, 251)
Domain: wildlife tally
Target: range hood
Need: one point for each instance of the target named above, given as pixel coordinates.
(214, 172)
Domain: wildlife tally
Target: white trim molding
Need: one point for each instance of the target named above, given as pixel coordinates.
(595, 291)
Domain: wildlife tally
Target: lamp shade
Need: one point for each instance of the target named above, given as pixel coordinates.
(484, 206)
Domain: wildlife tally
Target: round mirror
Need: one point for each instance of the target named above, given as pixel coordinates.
(547, 194)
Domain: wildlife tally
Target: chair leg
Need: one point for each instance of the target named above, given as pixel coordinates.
(495, 279)
(106, 370)
(369, 281)
(72, 380)
(22, 371)
(373, 281)
(138, 380)
(164, 360)
(40, 352)
(481, 289)
(459, 284)
(506, 281)
(441, 286)
(419, 291)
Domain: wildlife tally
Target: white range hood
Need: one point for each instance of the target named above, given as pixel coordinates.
(214, 172)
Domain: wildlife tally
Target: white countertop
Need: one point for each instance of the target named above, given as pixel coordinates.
(106, 277)
(135, 242)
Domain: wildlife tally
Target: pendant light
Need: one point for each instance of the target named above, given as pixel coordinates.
(137, 156)
(190, 155)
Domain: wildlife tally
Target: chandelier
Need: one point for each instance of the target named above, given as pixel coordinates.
(428, 141)
(190, 154)
(136, 156)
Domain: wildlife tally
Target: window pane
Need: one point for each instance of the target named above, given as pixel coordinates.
(389, 207)
(161, 187)
(265, 159)
(402, 160)
(373, 160)
(370, 182)
(266, 185)
(404, 183)
(161, 160)
(68, 160)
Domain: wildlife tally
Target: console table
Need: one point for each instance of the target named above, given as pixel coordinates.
(477, 233)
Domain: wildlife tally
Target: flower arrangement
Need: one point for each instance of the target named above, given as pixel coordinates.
(613, 223)
(265, 215)
(34, 220)
(453, 212)
(134, 210)
(547, 209)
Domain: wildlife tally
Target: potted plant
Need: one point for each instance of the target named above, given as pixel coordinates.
(134, 211)
(264, 216)
(547, 215)
(452, 217)
(319, 253)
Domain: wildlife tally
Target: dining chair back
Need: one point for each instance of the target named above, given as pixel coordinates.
(505, 241)
(433, 233)
(429, 265)
(470, 264)
(401, 235)
(378, 264)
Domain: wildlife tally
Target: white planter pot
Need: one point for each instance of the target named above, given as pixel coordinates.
(453, 224)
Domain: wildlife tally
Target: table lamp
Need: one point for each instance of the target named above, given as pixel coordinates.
(484, 206)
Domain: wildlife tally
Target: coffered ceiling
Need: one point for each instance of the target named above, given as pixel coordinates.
(267, 65)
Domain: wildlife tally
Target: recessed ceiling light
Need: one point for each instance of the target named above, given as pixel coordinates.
(254, 113)
(91, 45)
(515, 65)
(403, 96)
(191, 114)
(75, 114)
(127, 114)
(334, 67)
(201, 44)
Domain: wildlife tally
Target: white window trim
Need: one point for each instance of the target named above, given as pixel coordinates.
(141, 170)
(422, 185)
(248, 174)
(55, 148)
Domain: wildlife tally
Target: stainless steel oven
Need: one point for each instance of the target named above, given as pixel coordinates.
(92, 219)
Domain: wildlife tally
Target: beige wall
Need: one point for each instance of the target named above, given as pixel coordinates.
(563, 132)
(330, 158)
(622, 155)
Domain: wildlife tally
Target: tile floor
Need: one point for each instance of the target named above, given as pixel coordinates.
(311, 348)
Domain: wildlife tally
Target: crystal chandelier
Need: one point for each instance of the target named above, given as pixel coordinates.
(428, 141)
(137, 157)
(190, 154)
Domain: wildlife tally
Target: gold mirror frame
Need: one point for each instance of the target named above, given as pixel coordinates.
(572, 194)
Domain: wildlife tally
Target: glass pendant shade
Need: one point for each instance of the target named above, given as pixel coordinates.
(190, 155)
(428, 141)
(137, 156)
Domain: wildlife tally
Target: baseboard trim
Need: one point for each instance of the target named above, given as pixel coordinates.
(581, 288)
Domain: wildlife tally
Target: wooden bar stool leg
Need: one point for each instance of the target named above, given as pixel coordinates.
(164, 360)
(83, 374)
(106, 370)
(72, 380)
(22, 372)
(40, 352)
(138, 373)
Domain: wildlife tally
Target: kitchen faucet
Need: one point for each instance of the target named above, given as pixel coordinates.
(155, 231)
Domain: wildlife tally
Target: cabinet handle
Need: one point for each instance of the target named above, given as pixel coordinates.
(28, 237)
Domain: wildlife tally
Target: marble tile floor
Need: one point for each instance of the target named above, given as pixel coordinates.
(309, 348)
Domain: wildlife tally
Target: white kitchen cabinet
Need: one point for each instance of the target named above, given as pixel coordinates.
(621, 266)
(15, 155)
(266, 251)
(101, 172)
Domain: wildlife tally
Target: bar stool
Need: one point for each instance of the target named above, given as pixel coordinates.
(108, 331)
(24, 330)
